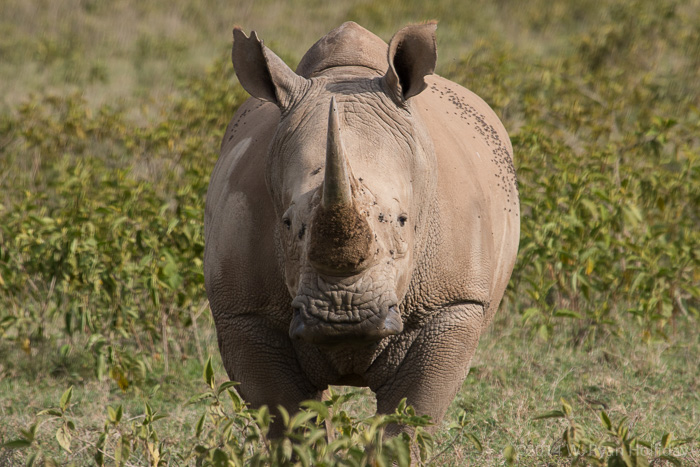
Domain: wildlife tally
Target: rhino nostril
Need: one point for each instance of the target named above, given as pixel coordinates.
(393, 324)
(296, 326)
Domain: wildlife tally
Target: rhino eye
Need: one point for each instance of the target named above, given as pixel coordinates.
(402, 220)
(287, 223)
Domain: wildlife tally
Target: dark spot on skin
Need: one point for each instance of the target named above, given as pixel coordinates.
(302, 231)
(402, 220)
(287, 223)
(381, 217)
(316, 171)
(501, 158)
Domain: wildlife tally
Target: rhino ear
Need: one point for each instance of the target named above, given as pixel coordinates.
(412, 56)
(262, 73)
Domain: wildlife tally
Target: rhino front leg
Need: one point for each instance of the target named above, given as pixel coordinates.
(436, 364)
(263, 361)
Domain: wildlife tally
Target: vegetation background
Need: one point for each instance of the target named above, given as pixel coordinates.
(110, 122)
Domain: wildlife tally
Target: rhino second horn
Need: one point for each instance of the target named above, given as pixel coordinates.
(336, 182)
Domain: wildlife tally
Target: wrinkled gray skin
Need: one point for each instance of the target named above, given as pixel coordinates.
(361, 223)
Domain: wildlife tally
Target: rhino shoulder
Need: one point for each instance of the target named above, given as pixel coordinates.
(240, 254)
(478, 205)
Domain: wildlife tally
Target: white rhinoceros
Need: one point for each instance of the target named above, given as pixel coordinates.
(361, 223)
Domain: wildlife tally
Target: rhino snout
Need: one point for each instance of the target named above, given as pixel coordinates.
(341, 241)
(323, 326)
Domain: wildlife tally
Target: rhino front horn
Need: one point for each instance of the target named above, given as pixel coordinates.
(341, 238)
(337, 189)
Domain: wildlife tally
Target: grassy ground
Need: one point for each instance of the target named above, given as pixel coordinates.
(512, 380)
(110, 121)
(139, 52)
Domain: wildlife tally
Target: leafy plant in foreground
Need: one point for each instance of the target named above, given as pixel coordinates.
(615, 447)
(228, 432)
(63, 434)
(323, 433)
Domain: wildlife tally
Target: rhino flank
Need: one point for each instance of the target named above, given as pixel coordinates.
(361, 223)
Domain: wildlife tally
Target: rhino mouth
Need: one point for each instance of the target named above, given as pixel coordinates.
(332, 314)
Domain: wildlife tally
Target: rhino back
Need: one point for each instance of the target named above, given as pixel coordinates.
(475, 239)
(241, 269)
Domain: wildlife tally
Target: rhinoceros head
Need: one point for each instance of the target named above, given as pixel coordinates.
(351, 173)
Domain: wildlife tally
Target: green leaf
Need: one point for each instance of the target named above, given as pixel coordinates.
(550, 414)
(224, 386)
(679, 442)
(99, 449)
(199, 449)
(284, 414)
(300, 419)
(200, 425)
(236, 400)
(263, 418)
(19, 443)
(566, 407)
(122, 450)
(154, 390)
(219, 458)
(53, 411)
(30, 434)
(672, 459)
(302, 454)
(317, 406)
(115, 415)
(510, 455)
(31, 459)
(529, 313)
(64, 438)
(605, 420)
(402, 406)
(209, 374)
(65, 398)
(111, 414)
(565, 313)
(475, 441)
(666, 439)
